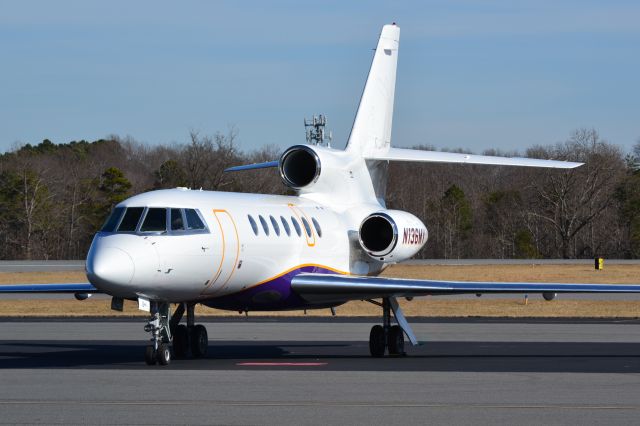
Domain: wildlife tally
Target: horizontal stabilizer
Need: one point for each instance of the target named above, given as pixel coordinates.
(49, 288)
(328, 287)
(400, 154)
(253, 166)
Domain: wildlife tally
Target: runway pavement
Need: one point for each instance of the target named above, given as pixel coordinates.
(317, 372)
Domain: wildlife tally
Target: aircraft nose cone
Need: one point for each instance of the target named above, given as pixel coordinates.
(109, 268)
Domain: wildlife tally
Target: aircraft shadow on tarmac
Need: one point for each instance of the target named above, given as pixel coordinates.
(347, 356)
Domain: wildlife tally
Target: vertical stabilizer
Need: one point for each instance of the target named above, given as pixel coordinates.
(371, 132)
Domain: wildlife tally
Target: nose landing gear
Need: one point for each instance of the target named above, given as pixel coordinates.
(166, 328)
(160, 348)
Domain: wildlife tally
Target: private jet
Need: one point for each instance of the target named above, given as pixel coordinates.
(324, 246)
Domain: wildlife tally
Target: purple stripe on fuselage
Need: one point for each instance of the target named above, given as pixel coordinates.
(272, 295)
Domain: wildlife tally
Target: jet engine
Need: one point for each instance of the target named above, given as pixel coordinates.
(299, 166)
(392, 235)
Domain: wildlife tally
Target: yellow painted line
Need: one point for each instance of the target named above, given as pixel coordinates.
(297, 209)
(224, 251)
(219, 271)
(235, 229)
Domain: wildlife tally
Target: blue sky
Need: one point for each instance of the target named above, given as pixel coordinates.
(476, 75)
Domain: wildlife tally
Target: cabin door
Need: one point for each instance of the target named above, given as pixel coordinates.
(225, 253)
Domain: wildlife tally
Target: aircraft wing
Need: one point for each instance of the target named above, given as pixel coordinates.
(400, 154)
(49, 288)
(336, 288)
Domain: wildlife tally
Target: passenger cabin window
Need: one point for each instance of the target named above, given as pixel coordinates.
(130, 220)
(275, 225)
(264, 225)
(193, 220)
(253, 223)
(155, 220)
(177, 223)
(112, 220)
(296, 226)
(317, 226)
(285, 225)
(306, 226)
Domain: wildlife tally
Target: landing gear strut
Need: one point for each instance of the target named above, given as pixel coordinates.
(390, 337)
(166, 328)
(160, 348)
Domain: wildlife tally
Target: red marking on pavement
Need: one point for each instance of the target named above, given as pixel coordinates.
(281, 364)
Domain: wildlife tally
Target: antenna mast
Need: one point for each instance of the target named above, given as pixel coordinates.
(315, 131)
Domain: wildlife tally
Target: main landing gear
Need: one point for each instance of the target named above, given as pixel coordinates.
(387, 337)
(186, 339)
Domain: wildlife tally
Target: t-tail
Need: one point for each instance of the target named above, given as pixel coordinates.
(371, 131)
(358, 175)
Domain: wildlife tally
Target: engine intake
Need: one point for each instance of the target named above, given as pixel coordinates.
(299, 166)
(392, 235)
(378, 234)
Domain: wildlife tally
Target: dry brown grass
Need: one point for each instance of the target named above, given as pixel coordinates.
(428, 306)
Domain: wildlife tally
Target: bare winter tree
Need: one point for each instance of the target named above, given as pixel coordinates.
(205, 158)
(570, 201)
(54, 197)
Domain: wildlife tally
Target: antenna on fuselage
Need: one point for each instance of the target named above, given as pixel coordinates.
(315, 131)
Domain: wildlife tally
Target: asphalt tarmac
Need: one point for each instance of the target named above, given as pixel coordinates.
(318, 372)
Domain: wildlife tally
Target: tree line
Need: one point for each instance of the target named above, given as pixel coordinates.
(53, 197)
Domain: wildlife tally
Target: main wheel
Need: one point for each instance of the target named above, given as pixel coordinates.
(396, 340)
(150, 355)
(181, 341)
(376, 341)
(199, 341)
(164, 354)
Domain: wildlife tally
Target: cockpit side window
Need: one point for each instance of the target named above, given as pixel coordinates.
(193, 219)
(130, 220)
(155, 220)
(112, 220)
(177, 224)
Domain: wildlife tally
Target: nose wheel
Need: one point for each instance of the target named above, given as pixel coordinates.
(169, 338)
(190, 340)
(159, 351)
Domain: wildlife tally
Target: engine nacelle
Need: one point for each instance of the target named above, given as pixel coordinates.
(392, 235)
(299, 166)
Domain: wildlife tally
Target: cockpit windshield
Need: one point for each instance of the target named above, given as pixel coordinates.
(130, 220)
(112, 220)
(154, 219)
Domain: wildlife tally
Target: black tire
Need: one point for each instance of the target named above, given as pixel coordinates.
(376, 341)
(396, 341)
(181, 342)
(164, 354)
(199, 341)
(150, 355)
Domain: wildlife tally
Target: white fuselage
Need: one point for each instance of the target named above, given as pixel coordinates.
(231, 256)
